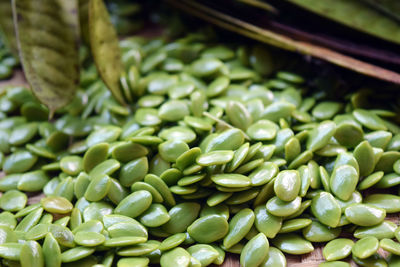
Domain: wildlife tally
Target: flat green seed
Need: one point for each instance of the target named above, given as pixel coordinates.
(274, 258)
(266, 223)
(326, 110)
(277, 110)
(218, 86)
(238, 115)
(369, 119)
(281, 208)
(147, 117)
(318, 232)
(157, 197)
(222, 210)
(343, 181)
(19, 162)
(379, 139)
(370, 180)
(255, 251)
(128, 151)
(10, 251)
(106, 167)
(173, 110)
(134, 261)
(29, 220)
(320, 136)
(334, 264)
(89, 239)
(104, 134)
(7, 219)
(231, 180)
(390, 246)
(134, 204)
(287, 185)
(75, 254)
(172, 149)
(230, 139)
(162, 188)
(337, 249)
(326, 209)
(365, 215)
(98, 187)
(90, 226)
(365, 158)
(180, 90)
(239, 226)
(263, 174)
(386, 161)
(205, 254)
(292, 244)
(217, 157)
(51, 251)
(205, 66)
(13, 200)
(262, 130)
(62, 234)
(175, 257)
(124, 241)
(71, 165)
(189, 180)
(388, 202)
(150, 101)
(385, 229)
(23, 133)
(33, 181)
(294, 225)
(349, 134)
(172, 241)
(133, 171)
(156, 215)
(28, 209)
(31, 254)
(208, 229)
(9, 182)
(124, 229)
(41, 151)
(249, 166)
(365, 247)
(54, 204)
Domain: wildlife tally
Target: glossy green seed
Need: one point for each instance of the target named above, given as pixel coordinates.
(133, 171)
(262, 130)
(326, 209)
(365, 158)
(205, 67)
(7, 219)
(231, 180)
(172, 149)
(124, 241)
(218, 86)
(255, 251)
(388, 202)
(29, 220)
(162, 188)
(54, 204)
(334, 264)
(147, 117)
(369, 119)
(180, 90)
(10, 251)
(31, 254)
(23, 133)
(175, 257)
(75, 254)
(172, 241)
(51, 251)
(294, 225)
(287, 185)
(274, 258)
(365, 247)
(134, 261)
(98, 187)
(239, 226)
(318, 232)
(390, 246)
(208, 229)
(343, 181)
(150, 101)
(230, 139)
(184, 134)
(218, 157)
(281, 208)
(386, 161)
(89, 239)
(106, 167)
(238, 115)
(157, 197)
(62, 234)
(383, 230)
(32, 181)
(337, 249)
(292, 244)
(104, 134)
(277, 110)
(365, 215)
(320, 136)
(19, 162)
(173, 110)
(71, 165)
(13, 200)
(134, 204)
(379, 139)
(370, 180)
(205, 254)
(156, 215)
(128, 151)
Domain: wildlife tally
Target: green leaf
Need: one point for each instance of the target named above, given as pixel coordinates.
(355, 14)
(48, 40)
(279, 40)
(105, 47)
(84, 19)
(7, 25)
(389, 7)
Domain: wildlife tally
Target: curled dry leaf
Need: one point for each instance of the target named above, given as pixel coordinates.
(48, 39)
(355, 14)
(105, 47)
(284, 42)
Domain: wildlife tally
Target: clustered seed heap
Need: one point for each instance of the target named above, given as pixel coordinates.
(209, 157)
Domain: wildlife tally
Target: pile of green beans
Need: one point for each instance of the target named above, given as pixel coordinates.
(214, 154)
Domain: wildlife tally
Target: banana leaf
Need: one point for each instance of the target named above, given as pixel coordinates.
(355, 14)
(282, 41)
(48, 39)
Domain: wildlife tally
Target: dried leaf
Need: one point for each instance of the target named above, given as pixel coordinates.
(355, 14)
(105, 47)
(282, 41)
(48, 39)
(7, 25)
(84, 19)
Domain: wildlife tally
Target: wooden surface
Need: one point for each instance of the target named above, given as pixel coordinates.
(308, 260)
